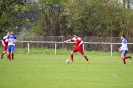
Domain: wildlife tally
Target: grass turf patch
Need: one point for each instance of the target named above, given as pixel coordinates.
(51, 71)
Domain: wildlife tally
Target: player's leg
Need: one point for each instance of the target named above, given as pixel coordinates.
(9, 52)
(9, 55)
(71, 56)
(127, 57)
(86, 58)
(3, 54)
(82, 52)
(4, 51)
(12, 52)
(123, 56)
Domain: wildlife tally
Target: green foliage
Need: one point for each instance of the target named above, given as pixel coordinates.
(66, 17)
(97, 18)
(86, 17)
(9, 14)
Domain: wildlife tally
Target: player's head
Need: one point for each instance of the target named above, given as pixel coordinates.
(75, 35)
(8, 33)
(11, 33)
(122, 36)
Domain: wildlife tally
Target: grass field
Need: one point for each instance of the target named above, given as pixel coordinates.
(51, 71)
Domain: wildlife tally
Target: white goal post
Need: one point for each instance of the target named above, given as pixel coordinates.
(55, 44)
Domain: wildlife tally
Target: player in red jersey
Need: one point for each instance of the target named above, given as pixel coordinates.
(5, 44)
(78, 47)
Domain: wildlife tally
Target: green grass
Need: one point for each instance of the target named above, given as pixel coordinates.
(50, 71)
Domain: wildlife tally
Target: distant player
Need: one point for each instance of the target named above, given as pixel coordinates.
(5, 44)
(124, 49)
(11, 45)
(78, 47)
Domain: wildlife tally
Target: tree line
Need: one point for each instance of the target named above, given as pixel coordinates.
(102, 18)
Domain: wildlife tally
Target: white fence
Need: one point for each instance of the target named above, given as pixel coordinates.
(55, 44)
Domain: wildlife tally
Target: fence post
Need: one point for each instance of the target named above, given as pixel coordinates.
(85, 43)
(83, 47)
(55, 48)
(62, 41)
(28, 47)
(111, 48)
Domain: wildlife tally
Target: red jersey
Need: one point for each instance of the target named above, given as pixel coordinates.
(77, 41)
(4, 42)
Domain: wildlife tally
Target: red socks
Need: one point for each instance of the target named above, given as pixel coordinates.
(12, 56)
(2, 54)
(124, 59)
(72, 57)
(86, 58)
(9, 56)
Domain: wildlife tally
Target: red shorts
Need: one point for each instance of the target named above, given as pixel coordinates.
(5, 48)
(79, 49)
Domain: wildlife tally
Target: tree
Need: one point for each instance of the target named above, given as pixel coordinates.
(10, 12)
(86, 17)
(98, 18)
(48, 12)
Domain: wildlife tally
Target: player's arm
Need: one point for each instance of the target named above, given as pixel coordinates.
(3, 42)
(15, 39)
(119, 49)
(81, 41)
(68, 40)
(7, 39)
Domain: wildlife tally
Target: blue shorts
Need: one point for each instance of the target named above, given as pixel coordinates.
(124, 52)
(11, 48)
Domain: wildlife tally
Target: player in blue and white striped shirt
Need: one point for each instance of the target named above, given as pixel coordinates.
(11, 45)
(124, 49)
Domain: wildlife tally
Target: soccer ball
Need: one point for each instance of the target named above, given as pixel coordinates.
(67, 61)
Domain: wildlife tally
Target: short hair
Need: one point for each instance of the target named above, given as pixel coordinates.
(76, 34)
(123, 36)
